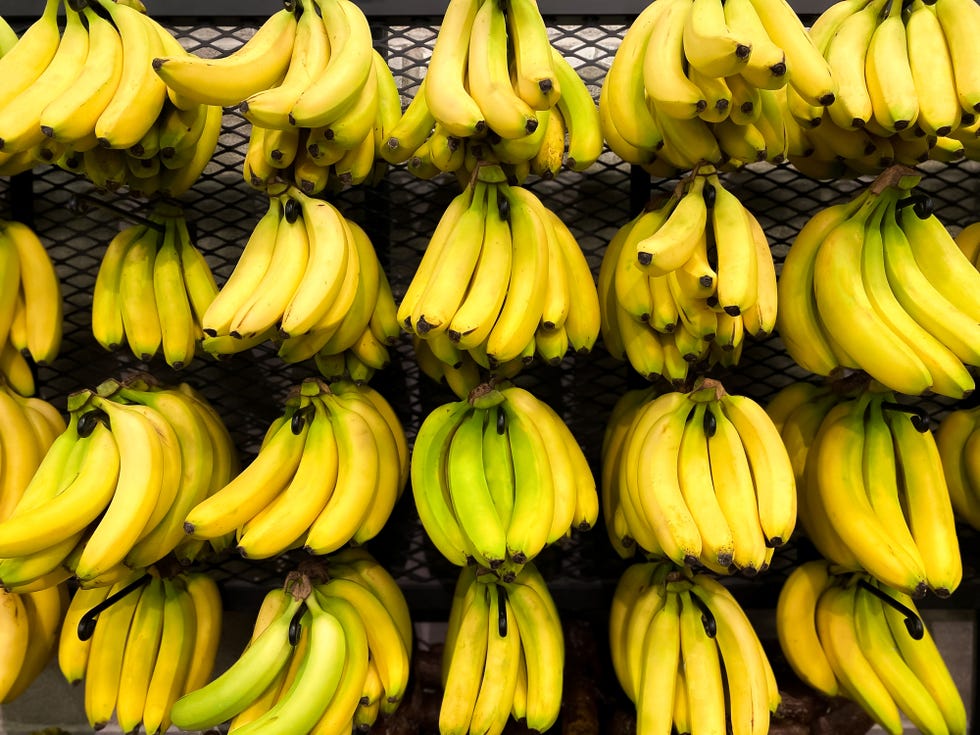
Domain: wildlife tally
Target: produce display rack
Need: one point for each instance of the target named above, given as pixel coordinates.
(76, 222)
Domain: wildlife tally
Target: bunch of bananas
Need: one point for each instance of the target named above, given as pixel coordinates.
(320, 98)
(504, 654)
(968, 241)
(502, 278)
(874, 284)
(329, 652)
(958, 442)
(698, 478)
(87, 100)
(155, 638)
(845, 635)
(309, 279)
(702, 81)
(499, 476)
(329, 471)
(682, 283)
(153, 289)
(29, 284)
(465, 375)
(496, 91)
(907, 84)
(872, 493)
(29, 627)
(686, 654)
(112, 490)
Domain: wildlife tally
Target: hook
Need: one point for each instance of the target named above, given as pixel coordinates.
(913, 623)
(501, 422)
(86, 625)
(501, 611)
(707, 618)
(921, 204)
(296, 625)
(918, 415)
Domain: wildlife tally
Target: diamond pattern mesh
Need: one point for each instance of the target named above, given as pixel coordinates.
(77, 223)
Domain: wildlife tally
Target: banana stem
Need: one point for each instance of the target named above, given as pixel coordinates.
(913, 623)
(86, 625)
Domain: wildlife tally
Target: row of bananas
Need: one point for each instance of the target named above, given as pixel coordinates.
(501, 278)
(152, 290)
(329, 651)
(701, 478)
(496, 91)
(329, 471)
(113, 489)
(29, 284)
(30, 623)
(871, 484)
(309, 279)
(86, 99)
(686, 654)
(504, 655)
(156, 640)
(499, 476)
(958, 442)
(685, 281)
(30, 426)
(878, 284)
(845, 635)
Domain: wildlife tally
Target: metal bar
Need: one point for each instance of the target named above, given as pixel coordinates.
(398, 8)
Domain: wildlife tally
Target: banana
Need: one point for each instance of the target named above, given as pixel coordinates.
(73, 114)
(14, 635)
(205, 598)
(445, 92)
(889, 75)
(663, 71)
(702, 670)
(661, 647)
(44, 609)
(845, 54)
(669, 246)
(580, 115)
(140, 655)
(952, 437)
(710, 45)
(231, 506)
(544, 649)
(766, 67)
(42, 293)
(932, 71)
(260, 63)
(245, 679)
(72, 651)
(169, 674)
(959, 20)
(923, 484)
(35, 49)
(465, 658)
(810, 75)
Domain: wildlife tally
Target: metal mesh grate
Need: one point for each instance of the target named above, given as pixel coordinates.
(399, 214)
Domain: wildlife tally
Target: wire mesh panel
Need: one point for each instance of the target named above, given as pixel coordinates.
(399, 214)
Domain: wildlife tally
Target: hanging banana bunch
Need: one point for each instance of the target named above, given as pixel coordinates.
(872, 491)
(958, 442)
(684, 282)
(850, 636)
(30, 622)
(496, 91)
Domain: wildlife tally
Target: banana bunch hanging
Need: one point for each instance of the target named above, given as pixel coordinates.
(686, 654)
(908, 89)
(152, 290)
(113, 488)
(701, 478)
(504, 654)
(878, 284)
(29, 284)
(330, 651)
(873, 495)
(30, 623)
(684, 282)
(139, 644)
(329, 471)
(968, 241)
(958, 442)
(496, 91)
(501, 278)
(497, 477)
(308, 279)
(86, 99)
(701, 81)
(847, 635)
